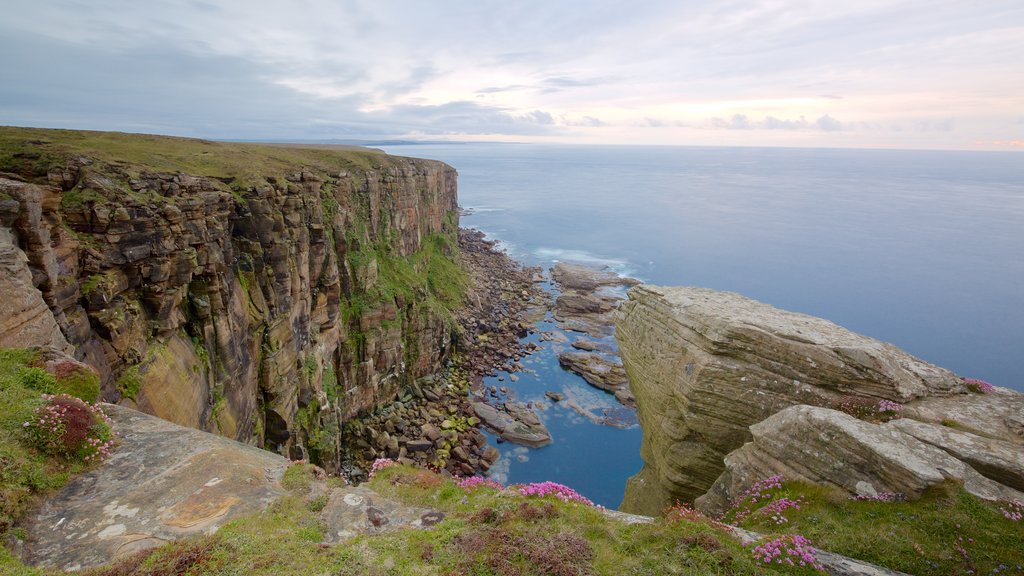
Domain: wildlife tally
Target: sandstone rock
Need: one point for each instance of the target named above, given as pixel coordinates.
(998, 414)
(25, 319)
(824, 446)
(515, 423)
(998, 460)
(430, 432)
(355, 510)
(705, 365)
(555, 396)
(231, 303)
(419, 445)
(574, 276)
(163, 483)
(597, 370)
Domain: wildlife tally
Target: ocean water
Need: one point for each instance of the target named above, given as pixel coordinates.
(924, 249)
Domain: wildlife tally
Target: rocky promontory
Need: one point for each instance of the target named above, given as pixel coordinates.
(265, 293)
(713, 371)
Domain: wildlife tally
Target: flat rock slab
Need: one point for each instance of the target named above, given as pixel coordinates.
(353, 511)
(516, 423)
(572, 276)
(163, 482)
(600, 372)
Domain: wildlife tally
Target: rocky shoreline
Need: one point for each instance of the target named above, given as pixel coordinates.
(437, 424)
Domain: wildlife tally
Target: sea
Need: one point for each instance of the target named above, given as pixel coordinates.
(923, 249)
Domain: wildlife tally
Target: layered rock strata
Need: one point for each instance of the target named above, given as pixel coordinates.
(706, 365)
(827, 447)
(265, 293)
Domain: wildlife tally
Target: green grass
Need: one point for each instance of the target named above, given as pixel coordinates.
(24, 472)
(947, 531)
(487, 531)
(484, 532)
(32, 151)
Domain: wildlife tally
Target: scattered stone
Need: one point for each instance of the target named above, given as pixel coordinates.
(555, 396)
(419, 445)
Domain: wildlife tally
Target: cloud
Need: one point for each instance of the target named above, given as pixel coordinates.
(780, 71)
(825, 123)
(828, 124)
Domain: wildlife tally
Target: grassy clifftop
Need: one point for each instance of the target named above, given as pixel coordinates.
(34, 150)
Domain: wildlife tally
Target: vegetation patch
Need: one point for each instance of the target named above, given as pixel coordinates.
(946, 531)
(35, 460)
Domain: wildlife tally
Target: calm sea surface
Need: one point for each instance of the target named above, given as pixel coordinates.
(921, 249)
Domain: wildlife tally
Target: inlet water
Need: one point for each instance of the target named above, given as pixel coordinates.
(923, 249)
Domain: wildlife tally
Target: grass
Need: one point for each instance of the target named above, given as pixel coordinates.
(25, 473)
(487, 531)
(484, 532)
(947, 531)
(32, 151)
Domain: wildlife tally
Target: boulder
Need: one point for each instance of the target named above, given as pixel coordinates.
(515, 422)
(705, 365)
(828, 447)
(599, 372)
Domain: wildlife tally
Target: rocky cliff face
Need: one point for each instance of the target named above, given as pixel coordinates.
(266, 293)
(706, 365)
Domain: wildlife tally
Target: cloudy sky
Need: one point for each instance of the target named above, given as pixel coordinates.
(862, 73)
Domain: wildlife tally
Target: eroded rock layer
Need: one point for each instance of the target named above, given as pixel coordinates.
(705, 365)
(905, 457)
(267, 293)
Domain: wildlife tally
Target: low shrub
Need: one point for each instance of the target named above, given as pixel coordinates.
(68, 427)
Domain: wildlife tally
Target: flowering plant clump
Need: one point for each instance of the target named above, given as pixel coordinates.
(1013, 510)
(563, 493)
(978, 386)
(69, 427)
(775, 509)
(870, 409)
(473, 482)
(759, 492)
(790, 550)
(380, 464)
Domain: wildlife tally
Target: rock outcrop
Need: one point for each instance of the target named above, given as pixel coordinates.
(706, 365)
(264, 293)
(165, 482)
(25, 319)
(828, 447)
(583, 306)
(599, 372)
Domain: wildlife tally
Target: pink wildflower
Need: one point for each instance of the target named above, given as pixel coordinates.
(380, 464)
(979, 386)
(792, 550)
(563, 493)
(473, 482)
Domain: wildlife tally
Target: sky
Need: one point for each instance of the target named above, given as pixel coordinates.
(862, 73)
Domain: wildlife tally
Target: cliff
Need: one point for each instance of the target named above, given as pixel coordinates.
(266, 293)
(712, 373)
